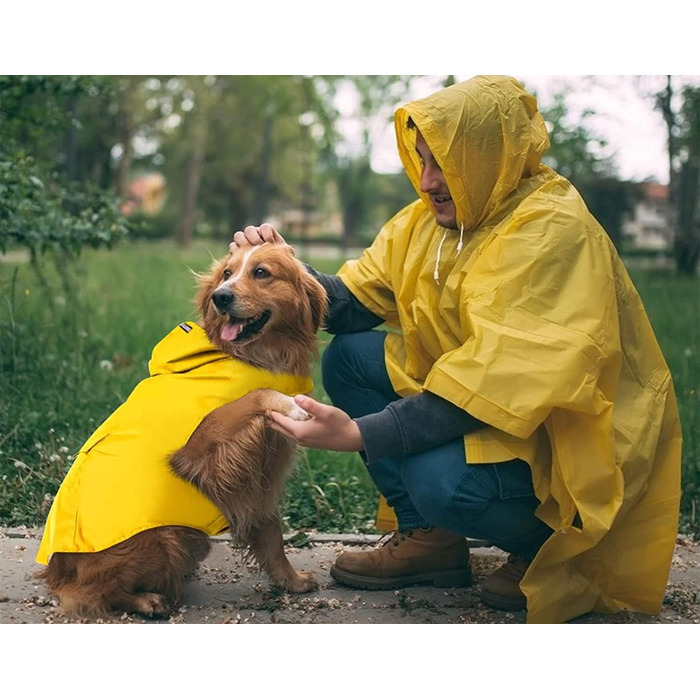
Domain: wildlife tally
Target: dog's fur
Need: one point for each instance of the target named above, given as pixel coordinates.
(237, 461)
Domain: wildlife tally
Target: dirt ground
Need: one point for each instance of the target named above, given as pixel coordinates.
(229, 592)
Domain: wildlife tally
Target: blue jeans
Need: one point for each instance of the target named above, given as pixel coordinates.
(437, 487)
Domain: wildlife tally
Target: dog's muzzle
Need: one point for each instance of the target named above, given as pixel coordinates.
(223, 300)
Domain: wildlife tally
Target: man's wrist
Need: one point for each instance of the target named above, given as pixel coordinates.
(358, 443)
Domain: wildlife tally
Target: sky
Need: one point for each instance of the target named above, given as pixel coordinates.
(624, 117)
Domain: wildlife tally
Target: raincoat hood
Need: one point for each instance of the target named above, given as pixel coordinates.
(121, 482)
(535, 328)
(486, 135)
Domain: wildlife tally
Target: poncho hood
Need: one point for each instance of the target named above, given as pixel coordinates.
(486, 135)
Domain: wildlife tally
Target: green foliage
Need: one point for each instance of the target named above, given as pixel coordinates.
(575, 151)
(41, 213)
(42, 208)
(355, 181)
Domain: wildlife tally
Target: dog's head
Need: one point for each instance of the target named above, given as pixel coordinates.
(260, 305)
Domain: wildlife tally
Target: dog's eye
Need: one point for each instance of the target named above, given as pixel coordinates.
(227, 274)
(260, 273)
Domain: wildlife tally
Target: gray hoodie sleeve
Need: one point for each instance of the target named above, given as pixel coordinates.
(345, 313)
(412, 425)
(406, 426)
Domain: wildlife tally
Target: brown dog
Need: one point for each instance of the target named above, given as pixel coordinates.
(260, 306)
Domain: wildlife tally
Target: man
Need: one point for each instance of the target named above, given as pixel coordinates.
(524, 399)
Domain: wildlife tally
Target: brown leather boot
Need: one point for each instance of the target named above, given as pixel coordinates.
(430, 556)
(501, 590)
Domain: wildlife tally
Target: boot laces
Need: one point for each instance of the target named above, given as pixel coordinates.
(394, 538)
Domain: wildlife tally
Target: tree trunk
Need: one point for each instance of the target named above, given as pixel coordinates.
(71, 148)
(126, 137)
(192, 182)
(260, 206)
(663, 101)
(687, 241)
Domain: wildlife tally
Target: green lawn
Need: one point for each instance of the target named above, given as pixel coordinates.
(66, 365)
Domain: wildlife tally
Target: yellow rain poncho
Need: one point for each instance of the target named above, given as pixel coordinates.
(533, 326)
(120, 483)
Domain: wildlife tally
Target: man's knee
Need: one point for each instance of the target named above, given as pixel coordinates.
(435, 499)
(343, 358)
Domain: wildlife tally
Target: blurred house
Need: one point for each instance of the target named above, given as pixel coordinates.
(647, 227)
(146, 195)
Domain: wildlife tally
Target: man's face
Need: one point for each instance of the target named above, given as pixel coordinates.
(432, 182)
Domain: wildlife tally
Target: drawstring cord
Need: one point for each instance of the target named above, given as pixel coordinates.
(436, 273)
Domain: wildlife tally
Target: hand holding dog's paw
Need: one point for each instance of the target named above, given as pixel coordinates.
(288, 407)
(328, 428)
(296, 412)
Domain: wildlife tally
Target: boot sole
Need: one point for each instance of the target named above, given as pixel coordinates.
(504, 602)
(450, 578)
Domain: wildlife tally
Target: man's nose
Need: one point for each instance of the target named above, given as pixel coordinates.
(430, 178)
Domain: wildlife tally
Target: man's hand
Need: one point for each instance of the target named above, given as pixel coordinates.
(255, 235)
(328, 429)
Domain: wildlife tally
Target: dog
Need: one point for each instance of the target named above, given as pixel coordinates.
(260, 311)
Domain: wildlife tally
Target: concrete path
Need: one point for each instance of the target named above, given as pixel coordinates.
(226, 591)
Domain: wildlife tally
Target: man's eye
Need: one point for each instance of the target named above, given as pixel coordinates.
(227, 274)
(260, 273)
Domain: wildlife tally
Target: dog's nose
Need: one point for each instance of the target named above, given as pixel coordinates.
(223, 299)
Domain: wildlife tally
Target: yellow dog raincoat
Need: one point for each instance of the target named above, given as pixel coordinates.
(120, 483)
(526, 318)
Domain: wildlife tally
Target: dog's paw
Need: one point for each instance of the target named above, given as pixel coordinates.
(303, 582)
(299, 414)
(291, 410)
(151, 605)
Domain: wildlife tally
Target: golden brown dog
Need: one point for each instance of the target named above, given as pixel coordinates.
(262, 307)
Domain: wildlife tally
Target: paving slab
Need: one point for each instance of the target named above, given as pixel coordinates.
(226, 590)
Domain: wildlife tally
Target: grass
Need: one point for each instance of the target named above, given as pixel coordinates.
(65, 366)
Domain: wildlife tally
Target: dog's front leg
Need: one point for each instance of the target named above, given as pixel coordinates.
(267, 546)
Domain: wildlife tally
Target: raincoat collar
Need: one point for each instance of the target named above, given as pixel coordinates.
(186, 349)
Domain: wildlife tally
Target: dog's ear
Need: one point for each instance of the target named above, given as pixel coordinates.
(318, 300)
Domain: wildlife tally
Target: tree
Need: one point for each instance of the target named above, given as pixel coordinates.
(683, 135)
(376, 97)
(46, 205)
(235, 149)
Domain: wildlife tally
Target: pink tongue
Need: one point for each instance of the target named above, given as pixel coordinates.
(230, 331)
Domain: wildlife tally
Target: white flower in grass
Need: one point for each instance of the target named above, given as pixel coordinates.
(106, 365)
